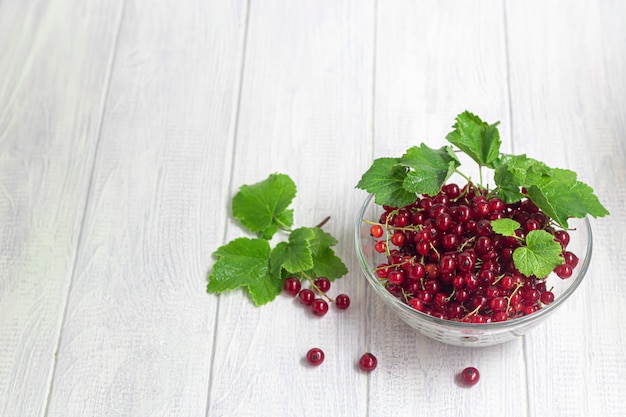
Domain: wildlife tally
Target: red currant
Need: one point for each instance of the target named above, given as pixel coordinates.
(570, 259)
(306, 297)
(315, 356)
(563, 237)
(398, 238)
(319, 307)
(396, 277)
(376, 231)
(563, 271)
(292, 285)
(470, 376)
(342, 301)
(547, 297)
(380, 246)
(368, 362)
(322, 283)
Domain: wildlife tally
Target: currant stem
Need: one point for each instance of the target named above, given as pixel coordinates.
(316, 288)
(468, 179)
(323, 222)
(282, 225)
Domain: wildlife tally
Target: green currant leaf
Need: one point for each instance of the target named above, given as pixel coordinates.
(478, 139)
(321, 240)
(261, 207)
(327, 264)
(294, 255)
(505, 227)
(384, 180)
(244, 262)
(429, 168)
(540, 255)
(284, 218)
(515, 171)
(562, 196)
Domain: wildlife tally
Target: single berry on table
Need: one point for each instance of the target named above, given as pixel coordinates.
(368, 362)
(470, 376)
(315, 356)
(342, 301)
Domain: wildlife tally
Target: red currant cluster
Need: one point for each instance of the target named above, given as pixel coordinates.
(444, 259)
(315, 297)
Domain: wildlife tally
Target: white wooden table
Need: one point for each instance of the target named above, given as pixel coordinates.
(126, 126)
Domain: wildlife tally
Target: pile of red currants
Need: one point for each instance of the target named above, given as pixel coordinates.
(444, 259)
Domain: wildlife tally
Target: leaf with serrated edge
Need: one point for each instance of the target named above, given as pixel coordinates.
(540, 255)
(294, 256)
(321, 240)
(478, 139)
(329, 265)
(429, 168)
(244, 262)
(384, 180)
(515, 171)
(505, 227)
(259, 206)
(561, 196)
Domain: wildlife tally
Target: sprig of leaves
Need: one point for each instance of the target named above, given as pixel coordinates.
(263, 208)
(396, 182)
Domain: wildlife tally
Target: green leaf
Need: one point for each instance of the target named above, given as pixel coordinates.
(515, 171)
(478, 139)
(540, 255)
(505, 227)
(562, 196)
(262, 207)
(244, 262)
(284, 218)
(429, 168)
(294, 256)
(321, 240)
(384, 180)
(308, 250)
(329, 265)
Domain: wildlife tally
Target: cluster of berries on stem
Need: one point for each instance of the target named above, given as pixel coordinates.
(444, 259)
(315, 297)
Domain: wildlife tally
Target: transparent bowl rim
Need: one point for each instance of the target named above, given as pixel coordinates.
(459, 325)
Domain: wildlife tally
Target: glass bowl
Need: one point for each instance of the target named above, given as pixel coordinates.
(461, 333)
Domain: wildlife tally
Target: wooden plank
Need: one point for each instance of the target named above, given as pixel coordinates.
(306, 111)
(139, 334)
(51, 99)
(433, 61)
(568, 89)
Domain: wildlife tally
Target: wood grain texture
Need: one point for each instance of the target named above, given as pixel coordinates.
(568, 89)
(305, 111)
(435, 60)
(138, 336)
(127, 126)
(51, 102)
